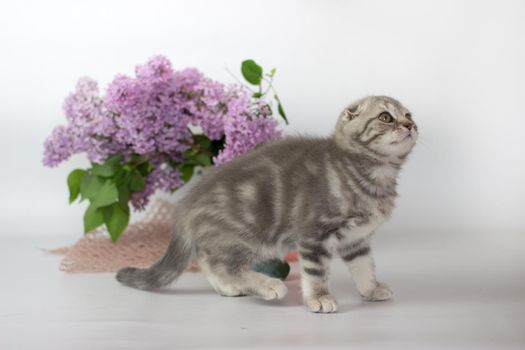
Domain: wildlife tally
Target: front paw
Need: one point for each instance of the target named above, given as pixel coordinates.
(321, 304)
(379, 293)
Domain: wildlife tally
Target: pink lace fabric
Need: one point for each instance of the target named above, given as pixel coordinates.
(140, 245)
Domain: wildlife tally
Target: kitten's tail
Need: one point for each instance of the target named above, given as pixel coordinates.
(164, 271)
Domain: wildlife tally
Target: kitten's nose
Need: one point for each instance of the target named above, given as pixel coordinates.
(408, 125)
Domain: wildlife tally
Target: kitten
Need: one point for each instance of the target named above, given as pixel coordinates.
(321, 196)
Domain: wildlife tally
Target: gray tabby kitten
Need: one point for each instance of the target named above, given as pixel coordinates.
(318, 195)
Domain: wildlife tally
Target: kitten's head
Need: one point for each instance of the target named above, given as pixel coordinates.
(377, 125)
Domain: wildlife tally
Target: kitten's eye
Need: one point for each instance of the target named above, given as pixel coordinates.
(408, 116)
(385, 117)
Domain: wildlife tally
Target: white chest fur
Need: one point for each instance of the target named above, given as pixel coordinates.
(362, 227)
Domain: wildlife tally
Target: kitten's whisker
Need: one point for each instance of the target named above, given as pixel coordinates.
(419, 142)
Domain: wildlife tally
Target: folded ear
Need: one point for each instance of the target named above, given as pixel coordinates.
(352, 111)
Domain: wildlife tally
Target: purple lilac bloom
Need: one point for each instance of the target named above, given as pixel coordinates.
(164, 178)
(84, 112)
(58, 147)
(242, 135)
(149, 115)
(156, 70)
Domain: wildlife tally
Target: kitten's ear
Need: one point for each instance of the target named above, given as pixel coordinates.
(352, 112)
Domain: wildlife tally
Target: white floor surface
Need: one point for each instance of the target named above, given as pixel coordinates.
(455, 291)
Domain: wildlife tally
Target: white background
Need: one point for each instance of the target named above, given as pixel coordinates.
(453, 251)
(458, 65)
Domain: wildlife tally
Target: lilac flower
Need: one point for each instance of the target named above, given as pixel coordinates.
(156, 70)
(83, 105)
(163, 178)
(211, 109)
(243, 135)
(125, 95)
(58, 147)
(187, 80)
(149, 114)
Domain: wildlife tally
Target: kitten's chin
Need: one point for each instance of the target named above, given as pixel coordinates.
(398, 146)
(405, 147)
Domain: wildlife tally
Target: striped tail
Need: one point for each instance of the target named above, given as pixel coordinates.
(164, 271)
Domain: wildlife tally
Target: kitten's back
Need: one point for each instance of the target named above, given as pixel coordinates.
(289, 156)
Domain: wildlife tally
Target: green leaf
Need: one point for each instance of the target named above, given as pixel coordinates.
(252, 72)
(137, 182)
(109, 168)
(117, 219)
(121, 176)
(124, 195)
(145, 168)
(187, 172)
(280, 109)
(135, 158)
(257, 94)
(107, 194)
(273, 268)
(90, 186)
(114, 159)
(192, 161)
(272, 72)
(203, 159)
(190, 153)
(73, 183)
(202, 140)
(93, 218)
(281, 112)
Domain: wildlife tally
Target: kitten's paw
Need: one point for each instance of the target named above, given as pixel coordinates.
(322, 304)
(228, 290)
(271, 289)
(379, 293)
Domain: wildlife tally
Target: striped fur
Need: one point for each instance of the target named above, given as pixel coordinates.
(322, 196)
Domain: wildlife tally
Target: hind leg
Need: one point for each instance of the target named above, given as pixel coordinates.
(232, 276)
(314, 259)
(260, 285)
(248, 283)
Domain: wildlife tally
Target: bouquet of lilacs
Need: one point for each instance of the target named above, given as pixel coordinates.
(151, 131)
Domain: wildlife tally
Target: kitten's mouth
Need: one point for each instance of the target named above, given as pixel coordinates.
(408, 136)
